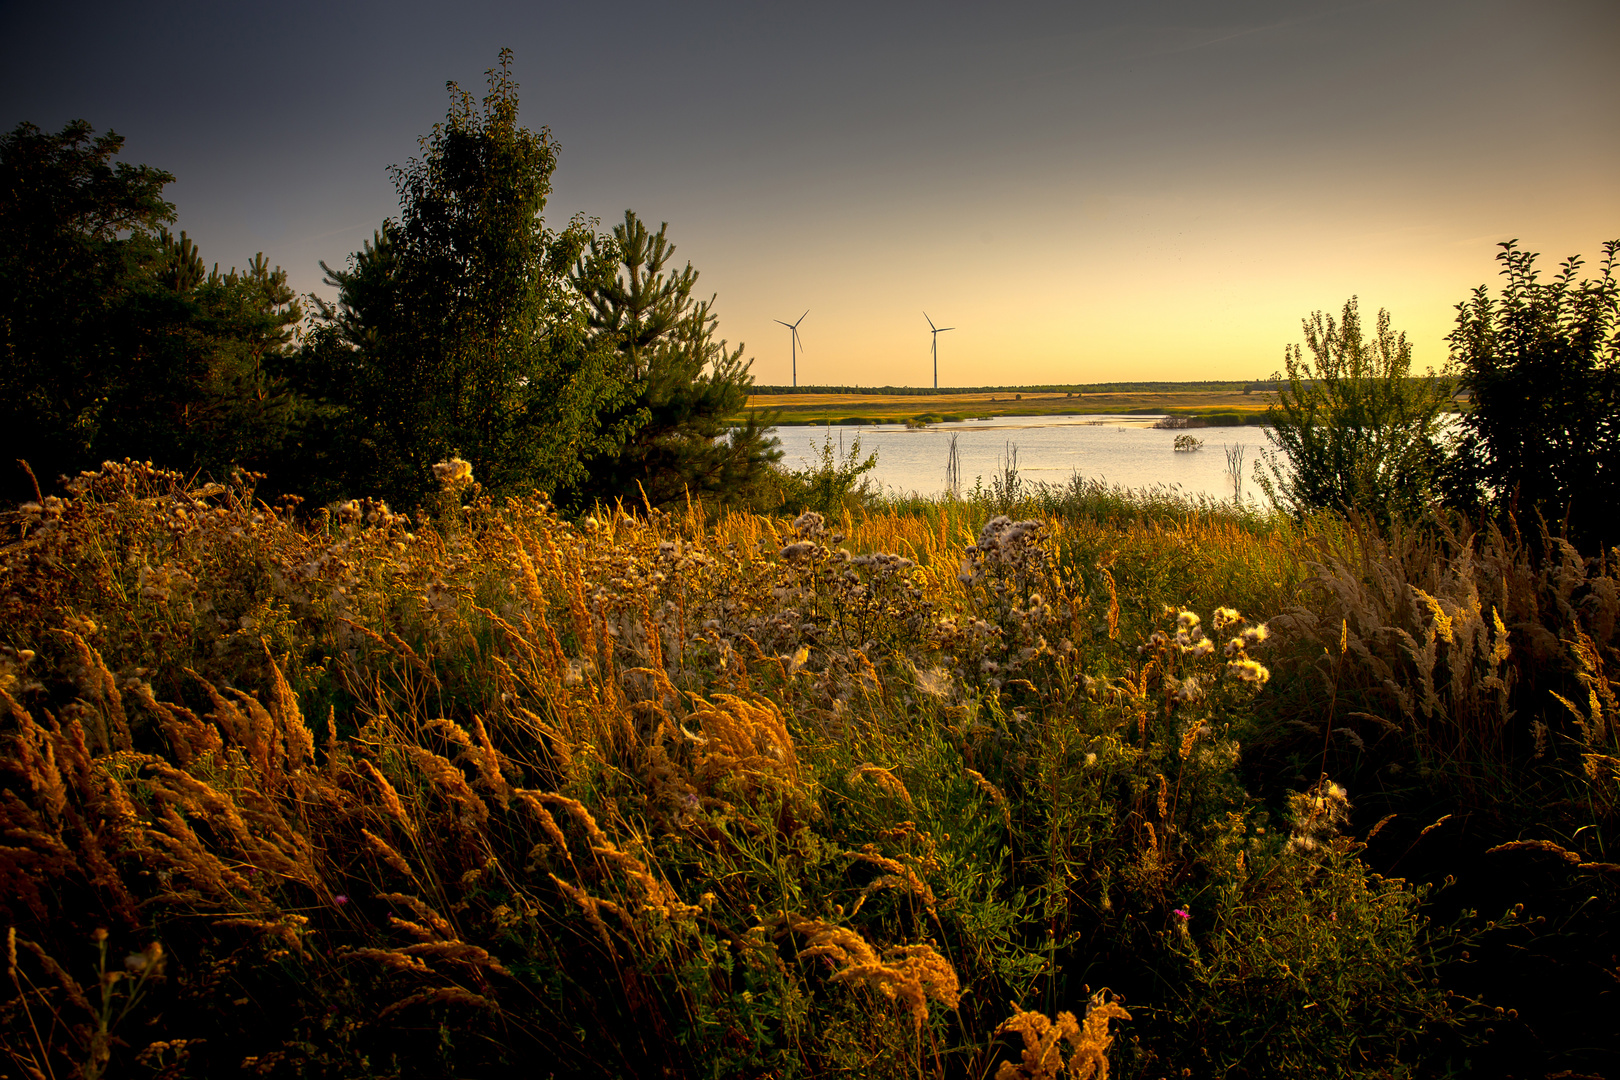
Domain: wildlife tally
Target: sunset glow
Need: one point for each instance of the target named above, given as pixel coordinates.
(1085, 195)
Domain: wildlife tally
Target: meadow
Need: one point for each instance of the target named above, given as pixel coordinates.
(1044, 782)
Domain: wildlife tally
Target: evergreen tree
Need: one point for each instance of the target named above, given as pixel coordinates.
(456, 330)
(1541, 365)
(203, 386)
(684, 384)
(114, 341)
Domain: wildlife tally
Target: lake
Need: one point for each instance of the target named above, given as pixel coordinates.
(1121, 450)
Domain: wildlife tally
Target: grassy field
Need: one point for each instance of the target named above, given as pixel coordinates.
(1056, 783)
(812, 408)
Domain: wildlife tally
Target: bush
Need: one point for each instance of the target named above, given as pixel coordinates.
(835, 481)
(1541, 365)
(1352, 429)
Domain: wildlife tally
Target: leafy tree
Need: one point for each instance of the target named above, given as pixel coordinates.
(456, 330)
(1541, 365)
(114, 339)
(683, 383)
(1352, 428)
(76, 231)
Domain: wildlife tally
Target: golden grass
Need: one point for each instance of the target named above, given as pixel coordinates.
(655, 792)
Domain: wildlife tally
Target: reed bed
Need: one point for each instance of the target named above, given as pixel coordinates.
(917, 791)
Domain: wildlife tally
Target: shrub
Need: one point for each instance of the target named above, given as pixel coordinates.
(1541, 365)
(833, 482)
(1351, 427)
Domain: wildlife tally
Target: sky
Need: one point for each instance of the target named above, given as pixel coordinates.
(1087, 192)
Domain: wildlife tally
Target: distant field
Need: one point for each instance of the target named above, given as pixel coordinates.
(812, 408)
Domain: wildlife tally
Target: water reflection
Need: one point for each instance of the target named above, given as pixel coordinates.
(1127, 451)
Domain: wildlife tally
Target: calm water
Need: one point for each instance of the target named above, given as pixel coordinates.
(1123, 451)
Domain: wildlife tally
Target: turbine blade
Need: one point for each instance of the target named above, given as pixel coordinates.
(942, 329)
(930, 321)
(786, 324)
(801, 317)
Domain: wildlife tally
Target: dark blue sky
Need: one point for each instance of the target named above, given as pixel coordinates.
(1087, 191)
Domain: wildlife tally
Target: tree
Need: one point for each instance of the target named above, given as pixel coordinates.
(201, 385)
(1541, 365)
(684, 385)
(76, 230)
(114, 340)
(456, 330)
(1352, 428)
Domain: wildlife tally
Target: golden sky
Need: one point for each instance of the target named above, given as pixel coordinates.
(1086, 191)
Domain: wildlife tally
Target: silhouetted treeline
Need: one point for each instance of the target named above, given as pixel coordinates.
(560, 360)
(583, 364)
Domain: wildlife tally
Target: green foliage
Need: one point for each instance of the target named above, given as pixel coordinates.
(118, 342)
(1351, 426)
(1541, 364)
(76, 231)
(832, 482)
(202, 386)
(1307, 963)
(683, 384)
(456, 331)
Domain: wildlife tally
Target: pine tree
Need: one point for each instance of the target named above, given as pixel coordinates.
(76, 232)
(193, 384)
(116, 340)
(685, 385)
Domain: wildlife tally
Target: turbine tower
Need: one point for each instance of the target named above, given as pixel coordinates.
(794, 343)
(938, 330)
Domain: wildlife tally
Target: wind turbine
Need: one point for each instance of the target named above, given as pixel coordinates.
(938, 330)
(794, 343)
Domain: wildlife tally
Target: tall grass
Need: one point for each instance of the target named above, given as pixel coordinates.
(919, 791)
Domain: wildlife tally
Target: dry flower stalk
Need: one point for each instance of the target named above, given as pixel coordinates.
(743, 737)
(908, 975)
(896, 875)
(389, 796)
(995, 795)
(451, 784)
(392, 959)
(447, 995)
(882, 779)
(394, 860)
(1042, 1056)
(422, 911)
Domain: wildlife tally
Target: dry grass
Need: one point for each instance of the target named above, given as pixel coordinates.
(1479, 664)
(430, 796)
